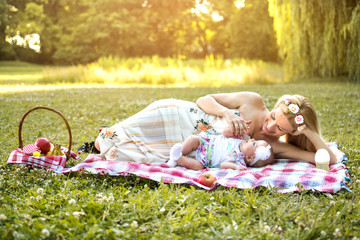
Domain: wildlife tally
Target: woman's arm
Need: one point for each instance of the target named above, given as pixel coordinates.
(289, 151)
(232, 165)
(318, 143)
(220, 105)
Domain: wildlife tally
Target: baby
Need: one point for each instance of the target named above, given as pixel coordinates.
(220, 151)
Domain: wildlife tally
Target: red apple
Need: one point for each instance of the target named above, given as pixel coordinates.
(43, 144)
(207, 179)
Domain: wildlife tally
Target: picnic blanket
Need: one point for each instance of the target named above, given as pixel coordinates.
(283, 176)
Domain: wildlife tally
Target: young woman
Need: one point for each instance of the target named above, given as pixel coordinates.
(293, 116)
(149, 135)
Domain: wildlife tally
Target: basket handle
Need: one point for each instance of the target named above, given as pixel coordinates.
(53, 110)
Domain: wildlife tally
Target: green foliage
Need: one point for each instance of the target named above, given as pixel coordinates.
(14, 52)
(352, 29)
(26, 54)
(35, 204)
(84, 42)
(25, 18)
(318, 38)
(6, 52)
(252, 33)
(79, 32)
(3, 20)
(119, 28)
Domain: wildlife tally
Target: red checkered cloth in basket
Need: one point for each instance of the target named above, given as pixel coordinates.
(284, 175)
(56, 163)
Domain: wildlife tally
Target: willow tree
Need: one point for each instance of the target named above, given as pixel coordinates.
(318, 38)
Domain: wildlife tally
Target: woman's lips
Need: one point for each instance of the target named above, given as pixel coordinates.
(266, 123)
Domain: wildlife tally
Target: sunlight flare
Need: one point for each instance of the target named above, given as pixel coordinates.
(240, 3)
(31, 40)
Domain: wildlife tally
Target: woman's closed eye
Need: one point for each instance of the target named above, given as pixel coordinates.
(273, 117)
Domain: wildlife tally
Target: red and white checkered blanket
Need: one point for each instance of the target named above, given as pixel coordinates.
(283, 176)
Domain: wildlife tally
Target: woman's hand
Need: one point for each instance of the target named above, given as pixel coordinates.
(301, 130)
(237, 125)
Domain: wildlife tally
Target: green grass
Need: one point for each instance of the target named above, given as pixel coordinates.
(145, 71)
(35, 204)
(19, 73)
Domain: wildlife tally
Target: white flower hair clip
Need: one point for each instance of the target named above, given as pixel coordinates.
(261, 153)
(293, 108)
(299, 119)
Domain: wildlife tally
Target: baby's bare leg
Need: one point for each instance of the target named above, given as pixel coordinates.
(190, 163)
(190, 144)
(181, 149)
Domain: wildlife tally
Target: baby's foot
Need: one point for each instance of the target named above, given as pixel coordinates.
(175, 154)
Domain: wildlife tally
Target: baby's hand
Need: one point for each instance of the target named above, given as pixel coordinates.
(240, 168)
(245, 137)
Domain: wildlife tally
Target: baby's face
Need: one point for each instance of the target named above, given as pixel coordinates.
(248, 148)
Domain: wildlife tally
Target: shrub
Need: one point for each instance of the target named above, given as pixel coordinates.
(7, 52)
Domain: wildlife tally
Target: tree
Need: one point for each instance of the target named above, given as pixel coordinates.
(122, 28)
(166, 21)
(6, 51)
(23, 20)
(251, 32)
(220, 41)
(82, 31)
(3, 19)
(318, 38)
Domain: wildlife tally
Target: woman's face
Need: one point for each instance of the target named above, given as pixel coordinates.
(276, 124)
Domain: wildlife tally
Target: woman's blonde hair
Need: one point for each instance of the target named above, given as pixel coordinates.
(310, 119)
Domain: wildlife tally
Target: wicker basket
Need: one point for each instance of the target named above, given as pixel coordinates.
(52, 162)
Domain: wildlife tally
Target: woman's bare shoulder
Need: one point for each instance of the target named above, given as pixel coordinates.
(257, 100)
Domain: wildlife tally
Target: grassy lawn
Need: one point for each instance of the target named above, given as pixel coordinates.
(35, 204)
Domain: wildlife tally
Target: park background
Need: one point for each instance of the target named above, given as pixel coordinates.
(99, 62)
(307, 38)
